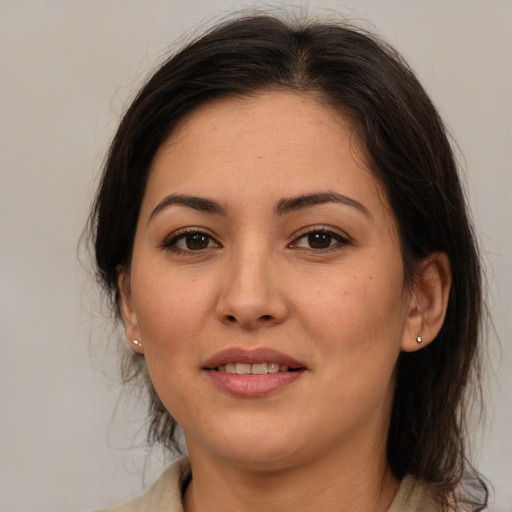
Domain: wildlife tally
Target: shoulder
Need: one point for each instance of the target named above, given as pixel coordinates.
(414, 496)
(164, 495)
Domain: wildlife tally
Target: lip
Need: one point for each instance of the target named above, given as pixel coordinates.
(252, 385)
(240, 355)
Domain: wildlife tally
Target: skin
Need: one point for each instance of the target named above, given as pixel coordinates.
(341, 310)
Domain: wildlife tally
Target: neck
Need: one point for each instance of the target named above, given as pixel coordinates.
(327, 484)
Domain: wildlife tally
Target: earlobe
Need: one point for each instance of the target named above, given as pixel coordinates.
(128, 312)
(428, 302)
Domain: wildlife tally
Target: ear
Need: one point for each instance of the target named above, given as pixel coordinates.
(131, 326)
(428, 302)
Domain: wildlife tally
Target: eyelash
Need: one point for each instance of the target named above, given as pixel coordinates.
(339, 240)
(334, 236)
(170, 243)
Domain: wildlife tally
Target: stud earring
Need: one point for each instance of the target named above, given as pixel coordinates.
(419, 339)
(137, 343)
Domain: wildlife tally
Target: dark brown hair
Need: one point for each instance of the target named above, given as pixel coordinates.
(408, 150)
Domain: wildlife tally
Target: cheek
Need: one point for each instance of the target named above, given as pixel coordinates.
(171, 312)
(357, 327)
(353, 302)
(357, 319)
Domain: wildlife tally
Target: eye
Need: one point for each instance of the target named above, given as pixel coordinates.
(319, 239)
(190, 241)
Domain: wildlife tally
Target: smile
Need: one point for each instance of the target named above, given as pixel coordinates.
(253, 373)
(254, 369)
(259, 361)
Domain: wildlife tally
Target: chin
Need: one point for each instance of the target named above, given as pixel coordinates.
(259, 447)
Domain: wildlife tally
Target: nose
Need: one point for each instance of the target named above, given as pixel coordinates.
(251, 295)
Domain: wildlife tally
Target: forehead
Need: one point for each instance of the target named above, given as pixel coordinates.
(280, 109)
(280, 142)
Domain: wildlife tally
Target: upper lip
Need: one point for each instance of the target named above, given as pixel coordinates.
(260, 355)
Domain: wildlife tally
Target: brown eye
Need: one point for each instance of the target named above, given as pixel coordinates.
(319, 240)
(190, 241)
(196, 241)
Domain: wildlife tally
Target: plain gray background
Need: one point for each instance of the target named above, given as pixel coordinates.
(68, 69)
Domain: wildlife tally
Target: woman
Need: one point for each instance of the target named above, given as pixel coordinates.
(282, 230)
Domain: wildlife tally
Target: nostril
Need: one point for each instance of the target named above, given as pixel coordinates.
(231, 318)
(266, 317)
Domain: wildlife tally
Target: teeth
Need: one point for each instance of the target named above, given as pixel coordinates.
(259, 368)
(252, 369)
(243, 368)
(273, 367)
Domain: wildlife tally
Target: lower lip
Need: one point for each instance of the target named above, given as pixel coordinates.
(253, 385)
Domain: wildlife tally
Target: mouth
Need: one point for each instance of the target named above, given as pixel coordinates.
(255, 368)
(253, 372)
(252, 362)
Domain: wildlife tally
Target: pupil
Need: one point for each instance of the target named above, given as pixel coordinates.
(197, 241)
(319, 240)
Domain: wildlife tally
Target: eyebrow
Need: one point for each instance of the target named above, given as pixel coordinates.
(202, 204)
(284, 206)
(292, 204)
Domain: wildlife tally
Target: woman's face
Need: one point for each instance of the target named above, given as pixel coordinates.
(264, 242)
